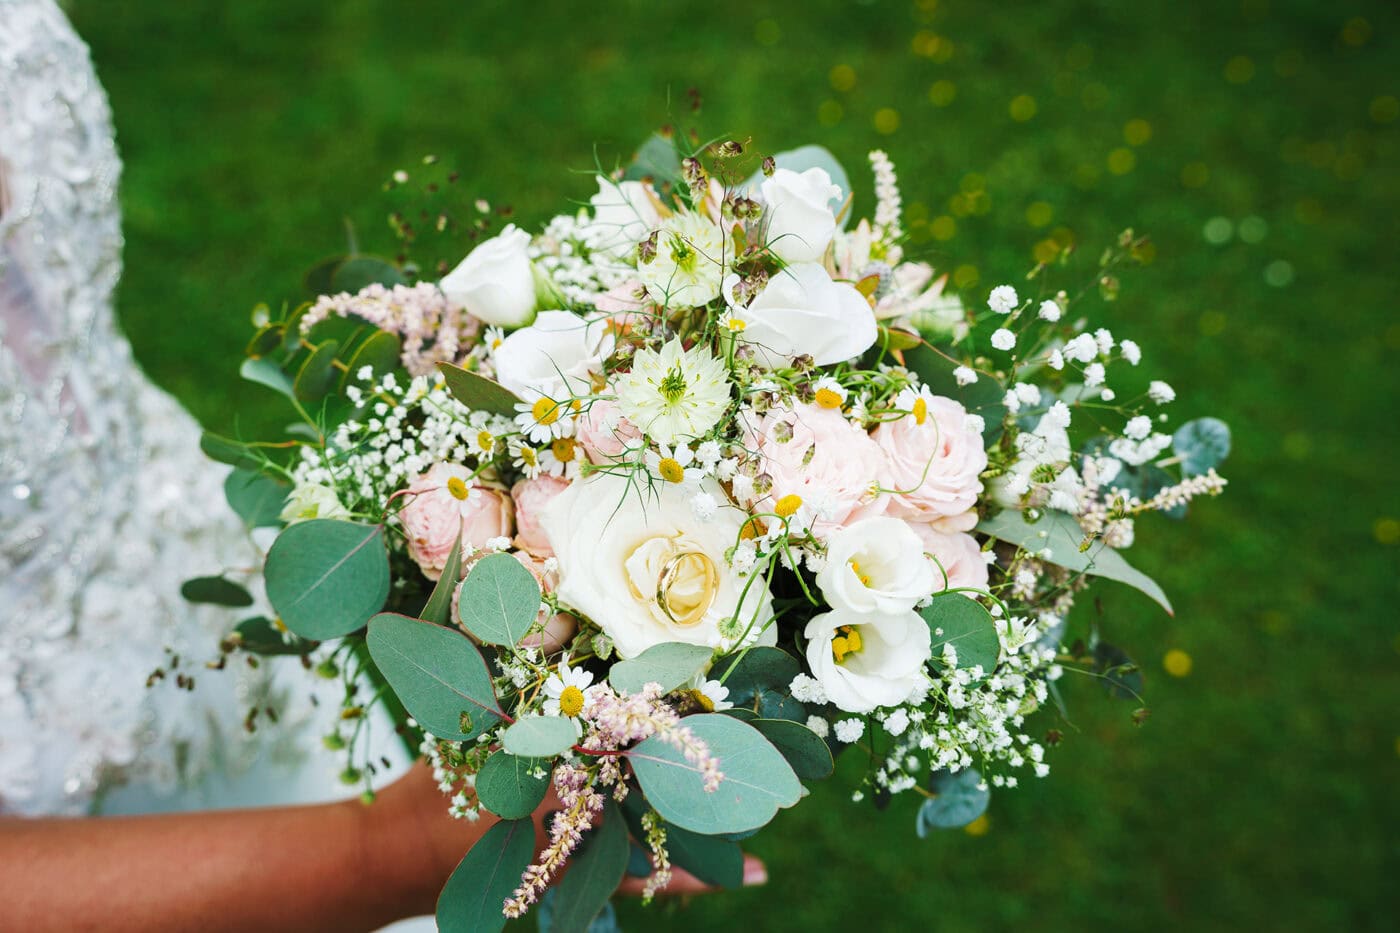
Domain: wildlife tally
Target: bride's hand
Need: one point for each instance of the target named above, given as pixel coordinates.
(413, 809)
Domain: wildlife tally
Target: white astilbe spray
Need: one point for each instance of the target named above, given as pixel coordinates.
(887, 200)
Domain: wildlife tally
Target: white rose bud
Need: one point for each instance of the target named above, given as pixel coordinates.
(802, 311)
(495, 283)
(800, 223)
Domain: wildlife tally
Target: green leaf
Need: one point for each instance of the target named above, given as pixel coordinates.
(809, 756)
(471, 900)
(500, 600)
(605, 922)
(268, 338)
(477, 392)
(217, 590)
(953, 618)
(326, 578)
(713, 859)
(358, 271)
(756, 779)
(657, 158)
(256, 497)
(266, 372)
(593, 875)
(805, 157)
(380, 351)
(670, 664)
(437, 673)
(959, 801)
(259, 635)
(508, 787)
(1062, 535)
(1201, 444)
(227, 450)
(779, 704)
(439, 606)
(317, 374)
(540, 736)
(744, 672)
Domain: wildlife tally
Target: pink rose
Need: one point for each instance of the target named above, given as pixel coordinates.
(603, 432)
(815, 454)
(958, 554)
(531, 496)
(933, 459)
(443, 503)
(621, 303)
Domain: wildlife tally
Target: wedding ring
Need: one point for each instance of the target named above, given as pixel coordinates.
(694, 561)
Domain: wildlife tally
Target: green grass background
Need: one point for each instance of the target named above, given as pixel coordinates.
(1261, 793)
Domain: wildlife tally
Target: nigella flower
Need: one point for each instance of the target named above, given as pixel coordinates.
(674, 393)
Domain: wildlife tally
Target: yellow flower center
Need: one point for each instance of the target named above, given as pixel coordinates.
(563, 449)
(702, 701)
(828, 398)
(920, 410)
(571, 701)
(736, 325)
(788, 505)
(458, 488)
(527, 456)
(864, 578)
(845, 643)
(545, 410)
(486, 441)
(752, 529)
(671, 470)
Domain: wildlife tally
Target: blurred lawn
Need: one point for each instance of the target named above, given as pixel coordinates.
(1261, 793)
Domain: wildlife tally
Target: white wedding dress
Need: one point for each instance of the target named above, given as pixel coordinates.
(107, 505)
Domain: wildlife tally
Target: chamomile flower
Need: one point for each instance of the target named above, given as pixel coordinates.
(525, 457)
(673, 465)
(711, 695)
(561, 457)
(545, 418)
(830, 393)
(673, 392)
(568, 691)
(482, 443)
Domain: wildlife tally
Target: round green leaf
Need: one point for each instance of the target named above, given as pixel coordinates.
(959, 799)
(380, 351)
(266, 372)
(1201, 444)
(507, 784)
(217, 590)
(326, 578)
(268, 338)
(670, 664)
(437, 674)
(756, 779)
(744, 673)
(540, 736)
(962, 622)
(500, 600)
(256, 498)
(809, 756)
(317, 374)
(471, 900)
(358, 271)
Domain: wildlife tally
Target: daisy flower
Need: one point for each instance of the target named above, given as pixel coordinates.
(830, 393)
(525, 457)
(674, 393)
(711, 695)
(674, 465)
(561, 457)
(545, 419)
(568, 691)
(482, 444)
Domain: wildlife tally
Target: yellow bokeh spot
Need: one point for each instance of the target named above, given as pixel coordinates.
(942, 92)
(1385, 109)
(1177, 663)
(1357, 31)
(1212, 323)
(971, 183)
(978, 827)
(965, 276)
(886, 120)
(842, 78)
(1040, 213)
(1137, 132)
(1386, 530)
(1046, 252)
(1239, 70)
(1121, 161)
(564, 449)
(927, 43)
(1022, 108)
(1195, 174)
(788, 505)
(828, 398)
(767, 32)
(830, 113)
(670, 470)
(943, 227)
(571, 701)
(545, 410)
(458, 488)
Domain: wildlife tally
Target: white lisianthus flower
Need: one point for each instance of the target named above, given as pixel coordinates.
(646, 570)
(876, 565)
(802, 310)
(623, 214)
(552, 357)
(673, 393)
(797, 212)
(312, 500)
(688, 267)
(867, 660)
(495, 282)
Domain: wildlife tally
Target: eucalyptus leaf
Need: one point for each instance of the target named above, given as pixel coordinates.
(438, 609)
(359, 271)
(805, 751)
(268, 338)
(489, 873)
(983, 397)
(958, 801)
(500, 600)
(326, 578)
(1060, 533)
(593, 876)
(507, 784)
(437, 673)
(380, 351)
(964, 623)
(477, 392)
(744, 672)
(220, 591)
(669, 664)
(317, 374)
(266, 372)
(779, 704)
(756, 780)
(605, 922)
(227, 450)
(260, 635)
(256, 497)
(713, 859)
(1201, 444)
(540, 736)
(657, 159)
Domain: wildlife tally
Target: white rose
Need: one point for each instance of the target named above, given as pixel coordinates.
(647, 571)
(495, 282)
(867, 660)
(876, 565)
(623, 214)
(800, 223)
(801, 310)
(552, 356)
(312, 500)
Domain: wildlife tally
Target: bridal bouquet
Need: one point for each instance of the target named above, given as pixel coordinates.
(667, 505)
